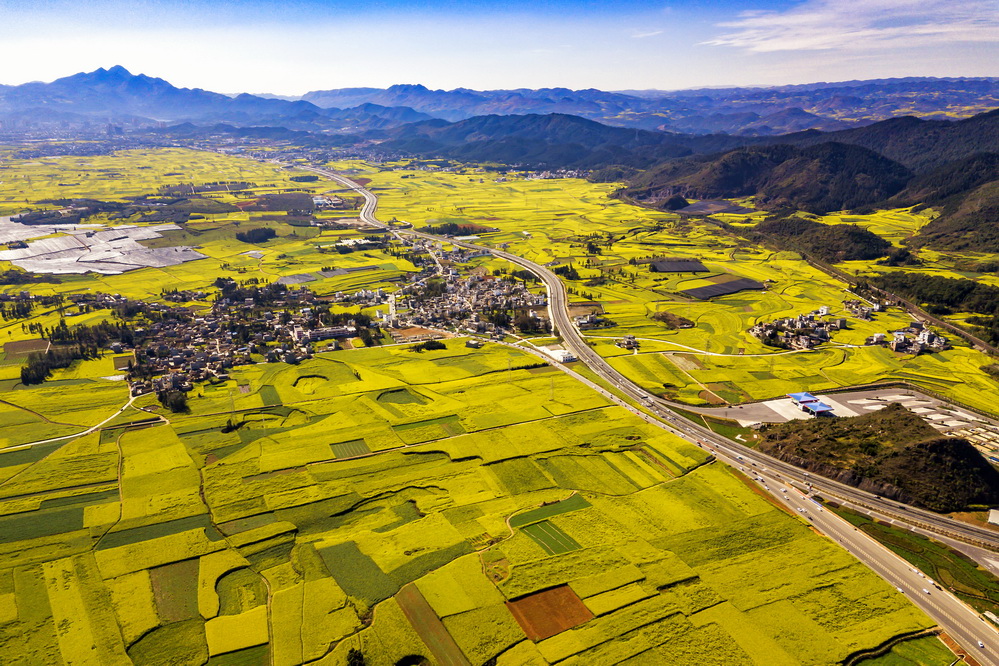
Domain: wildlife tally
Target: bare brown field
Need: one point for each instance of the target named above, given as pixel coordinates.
(543, 614)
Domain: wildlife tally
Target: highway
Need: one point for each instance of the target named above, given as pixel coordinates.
(956, 618)
(976, 635)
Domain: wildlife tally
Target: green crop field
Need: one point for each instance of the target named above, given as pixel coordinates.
(392, 502)
(551, 538)
(970, 582)
(918, 652)
(186, 545)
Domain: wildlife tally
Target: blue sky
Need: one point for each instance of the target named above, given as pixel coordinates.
(294, 46)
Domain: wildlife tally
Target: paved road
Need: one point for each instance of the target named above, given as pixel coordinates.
(957, 619)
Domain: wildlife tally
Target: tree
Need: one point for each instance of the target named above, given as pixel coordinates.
(528, 324)
(175, 401)
(498, 318)
(367, 337)
(355, 658)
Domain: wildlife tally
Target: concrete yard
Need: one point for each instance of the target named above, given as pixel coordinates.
(938, 414)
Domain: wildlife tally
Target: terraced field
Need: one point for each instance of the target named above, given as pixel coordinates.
(197, 536)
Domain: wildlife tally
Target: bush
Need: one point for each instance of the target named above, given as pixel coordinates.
(175, 401)
(429, 345)
(259, 235)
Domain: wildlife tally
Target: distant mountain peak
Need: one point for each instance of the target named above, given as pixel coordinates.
(115, 73)
(408, 87)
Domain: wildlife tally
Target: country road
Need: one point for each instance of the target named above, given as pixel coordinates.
(956, 618)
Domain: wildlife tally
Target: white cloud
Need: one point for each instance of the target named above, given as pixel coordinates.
(647, 33)
(817, 25)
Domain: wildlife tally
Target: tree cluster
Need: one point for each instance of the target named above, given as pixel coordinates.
(258, 235)
(830, 243)
(98, 335)
(175, 401)
(428, 345)
(41, 365)
(943, 295)
(956, 293)
(452, 229)
(567, 271)
(22, 277)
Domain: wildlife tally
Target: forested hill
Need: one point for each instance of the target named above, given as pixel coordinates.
(818, 179)
(921, 145)
(892, 452)
(553, 140)
(950, 166)
(966, 193)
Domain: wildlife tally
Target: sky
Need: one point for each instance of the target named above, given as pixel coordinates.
(294, 46)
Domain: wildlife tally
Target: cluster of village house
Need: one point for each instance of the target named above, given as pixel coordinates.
(812, 329)
(802, 332)
(915, 339)
(461, 302)
(174, 348)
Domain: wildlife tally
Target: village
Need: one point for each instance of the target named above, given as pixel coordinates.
(174, 347)
(807, 331)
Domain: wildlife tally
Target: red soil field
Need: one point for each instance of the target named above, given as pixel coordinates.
(543, 614)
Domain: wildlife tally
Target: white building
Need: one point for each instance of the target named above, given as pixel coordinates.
(561, 355)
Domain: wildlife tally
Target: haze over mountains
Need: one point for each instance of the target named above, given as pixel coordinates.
(748, 111)
(118, 96)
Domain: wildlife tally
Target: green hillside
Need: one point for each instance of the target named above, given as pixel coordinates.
(892, 451)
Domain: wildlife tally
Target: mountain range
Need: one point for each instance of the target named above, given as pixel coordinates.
(951, 166)
(135, 100)
(117, 96)
(746, 111)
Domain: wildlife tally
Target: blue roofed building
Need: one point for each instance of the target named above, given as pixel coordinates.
(802, 398)
(817, 409)
(809, 404)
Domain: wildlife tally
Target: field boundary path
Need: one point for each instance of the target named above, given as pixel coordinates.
(33, 412)
(89, 430)
(430, 628)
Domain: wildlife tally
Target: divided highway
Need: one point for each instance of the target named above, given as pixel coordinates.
(979, 637)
